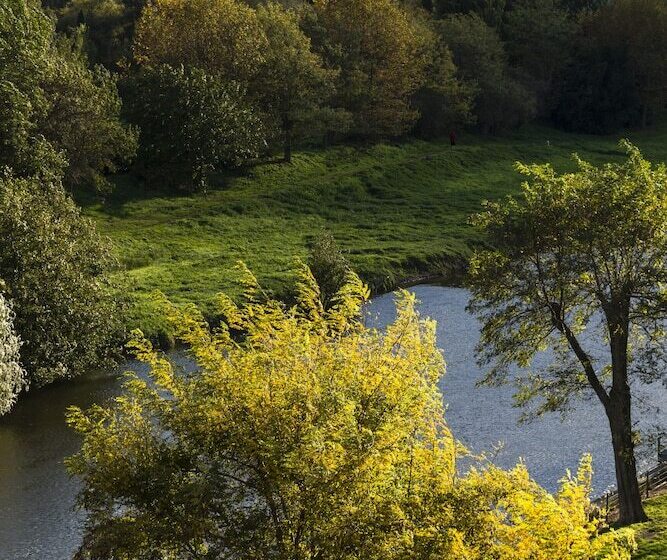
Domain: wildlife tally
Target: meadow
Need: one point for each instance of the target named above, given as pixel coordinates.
(400, 212)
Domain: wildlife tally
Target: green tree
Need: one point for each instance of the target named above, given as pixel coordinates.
(55, 269)
(640, 28)
(582, 252)
(596, 92)
(191, 125)
(12, 375)
(500, 101)
(222, 37)
(490, 11)
(378, 48)
(53, 106)
(311, 437)
(293, 83)
(108, 27)
(329, 266)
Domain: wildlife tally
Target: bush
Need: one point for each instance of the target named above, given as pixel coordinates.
(328, 265)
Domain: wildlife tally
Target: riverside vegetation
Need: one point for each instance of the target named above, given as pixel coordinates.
(164, 118)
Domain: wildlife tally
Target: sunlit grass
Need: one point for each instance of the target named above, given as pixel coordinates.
(397, 209)
(652, 536)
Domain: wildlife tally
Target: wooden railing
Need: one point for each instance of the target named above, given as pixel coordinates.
(651, 482)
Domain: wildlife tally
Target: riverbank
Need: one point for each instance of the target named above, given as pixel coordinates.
(400, 211)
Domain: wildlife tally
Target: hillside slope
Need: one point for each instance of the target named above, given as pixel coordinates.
(399, 210)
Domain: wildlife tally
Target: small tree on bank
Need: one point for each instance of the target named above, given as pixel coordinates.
(583, 251)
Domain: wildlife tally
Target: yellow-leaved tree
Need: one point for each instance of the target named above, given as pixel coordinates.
(305, 434)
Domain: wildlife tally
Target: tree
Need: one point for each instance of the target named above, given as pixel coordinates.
(490, 11)
(55, 269)
(222, 37)
(500, 101)
(596, 92)
(293, 83)
(191, 125)
(329, 266)
(582, 251)
(377, 46)
(639, 27)
(12, 375)
(108, 27)
(59, 109)
(84, 119)
(311, 436)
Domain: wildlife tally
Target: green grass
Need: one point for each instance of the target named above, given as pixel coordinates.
(398, 210)
(652, 536)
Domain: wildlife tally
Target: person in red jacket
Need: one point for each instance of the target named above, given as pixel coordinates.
(452, 138)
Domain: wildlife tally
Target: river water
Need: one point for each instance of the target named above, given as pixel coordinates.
(38, 519)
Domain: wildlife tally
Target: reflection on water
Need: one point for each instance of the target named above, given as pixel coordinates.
(37, 498)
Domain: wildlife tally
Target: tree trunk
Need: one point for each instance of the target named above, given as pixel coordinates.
(630, 505)
(619, 413)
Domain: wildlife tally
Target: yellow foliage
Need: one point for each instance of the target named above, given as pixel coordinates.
(305, 434)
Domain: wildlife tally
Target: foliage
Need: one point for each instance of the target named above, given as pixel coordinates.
(538, 35)
(382, 60)
(490, 11)
(83, 119)
(56, 273)
(191, 124)
(583, 251)
(222, 37)
(108, 26)
(444, 101)
(329, 266)
(12, 375)
(293, 84)
(312, 436)
(55, 108)
(618, 76)
(500, 102)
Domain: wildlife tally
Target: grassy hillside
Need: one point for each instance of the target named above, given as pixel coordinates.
(652, 536)
(399, 210)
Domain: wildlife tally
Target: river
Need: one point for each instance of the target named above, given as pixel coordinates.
(38, 519)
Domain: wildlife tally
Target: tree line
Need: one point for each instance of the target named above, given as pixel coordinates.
(263, 75)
